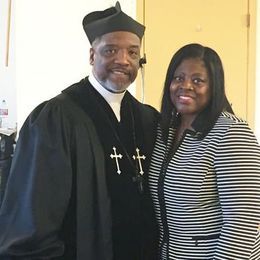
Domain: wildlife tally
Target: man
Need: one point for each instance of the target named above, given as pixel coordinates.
(78, 184)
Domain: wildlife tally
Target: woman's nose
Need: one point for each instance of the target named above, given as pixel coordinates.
(187, 84)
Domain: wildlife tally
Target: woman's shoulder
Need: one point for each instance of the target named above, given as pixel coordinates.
(232, 125)
(229, 118)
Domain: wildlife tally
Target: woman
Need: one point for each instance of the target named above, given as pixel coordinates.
(205, 169)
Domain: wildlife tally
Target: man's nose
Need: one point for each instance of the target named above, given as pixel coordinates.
(122, 57)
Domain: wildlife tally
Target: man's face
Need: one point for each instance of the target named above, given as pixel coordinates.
(115, 60)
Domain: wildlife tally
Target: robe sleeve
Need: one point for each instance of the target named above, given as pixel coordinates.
(238, 181)
(38, 189)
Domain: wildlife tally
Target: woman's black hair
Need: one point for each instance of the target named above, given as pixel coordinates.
(213, 64)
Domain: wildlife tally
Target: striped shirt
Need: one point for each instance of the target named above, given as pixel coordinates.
(207, 193)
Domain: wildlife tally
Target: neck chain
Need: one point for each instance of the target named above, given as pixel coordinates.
(136, 164)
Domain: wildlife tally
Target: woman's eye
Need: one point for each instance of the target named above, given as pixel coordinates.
(178, 79)
(198, 81)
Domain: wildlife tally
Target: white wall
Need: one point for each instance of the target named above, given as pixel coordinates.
(7, 73)
(49, 49)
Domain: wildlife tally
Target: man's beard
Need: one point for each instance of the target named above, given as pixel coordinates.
(118, 87)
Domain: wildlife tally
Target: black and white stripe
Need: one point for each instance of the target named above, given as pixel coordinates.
(207, 195)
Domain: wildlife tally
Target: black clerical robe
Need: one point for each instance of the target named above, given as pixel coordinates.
(64, 198)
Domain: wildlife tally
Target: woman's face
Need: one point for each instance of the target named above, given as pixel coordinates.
(189, 90)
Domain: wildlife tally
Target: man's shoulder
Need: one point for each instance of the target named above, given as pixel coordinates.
(75, 87)
(58, 105)
(146, 108)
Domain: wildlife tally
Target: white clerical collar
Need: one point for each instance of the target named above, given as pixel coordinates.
(113, 99)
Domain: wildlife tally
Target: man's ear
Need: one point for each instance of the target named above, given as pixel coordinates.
(142, 61)
(91, 56)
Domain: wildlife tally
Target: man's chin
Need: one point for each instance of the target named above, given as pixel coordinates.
(116, 88)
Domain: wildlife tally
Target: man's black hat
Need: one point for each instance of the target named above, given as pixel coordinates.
(112, 19)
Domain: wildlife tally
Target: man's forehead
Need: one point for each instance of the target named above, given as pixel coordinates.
(120, 37)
